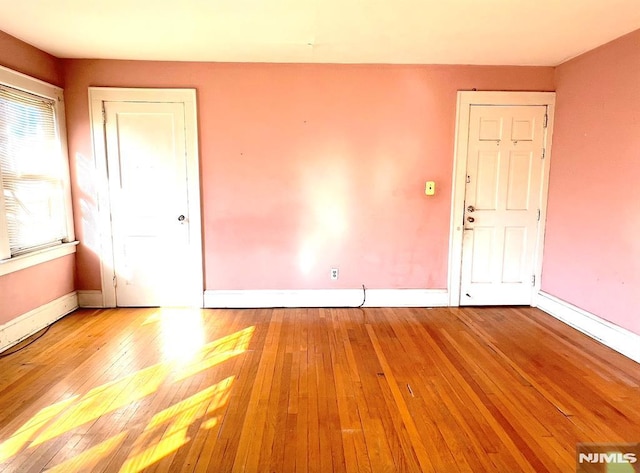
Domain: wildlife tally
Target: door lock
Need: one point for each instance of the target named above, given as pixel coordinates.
(471, 219)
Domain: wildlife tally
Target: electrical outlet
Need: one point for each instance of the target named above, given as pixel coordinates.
(335, 272)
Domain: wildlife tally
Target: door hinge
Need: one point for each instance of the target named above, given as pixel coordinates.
(545, 121)
(533, 280)
(104, 115)
(544, 152)
(115, 281)
(538, 215)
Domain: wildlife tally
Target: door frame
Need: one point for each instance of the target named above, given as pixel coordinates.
(467, 99)
(98, 95)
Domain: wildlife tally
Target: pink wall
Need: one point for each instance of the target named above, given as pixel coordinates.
(305, 167)
(30, 288)
(592, 246)
(23, 57)
(25, 290)
(310, 166)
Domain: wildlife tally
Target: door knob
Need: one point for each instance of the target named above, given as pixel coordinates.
(181, 218)
(470, 208)
(471, 219)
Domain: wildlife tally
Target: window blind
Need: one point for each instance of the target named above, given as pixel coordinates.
(30, 171)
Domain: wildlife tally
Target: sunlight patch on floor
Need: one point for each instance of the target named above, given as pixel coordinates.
(182, 333)
(65, 416)
(105, 399)
(217, 352)
(171, 426)
(88, 459)
(25, 433)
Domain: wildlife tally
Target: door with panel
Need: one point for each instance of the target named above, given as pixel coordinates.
(149, 195)
(502, 204)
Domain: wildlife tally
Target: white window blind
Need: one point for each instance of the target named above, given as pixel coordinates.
(30, 173)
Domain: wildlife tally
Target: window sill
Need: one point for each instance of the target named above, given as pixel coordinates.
(36, 257)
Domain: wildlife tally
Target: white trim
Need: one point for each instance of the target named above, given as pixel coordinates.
(98, 95)
(326, 298)
(90, 299)
(31, 322)
(29, 84)
(465, 100)
(5, 247)
(61, 121)
(36, 257)
(617, 338)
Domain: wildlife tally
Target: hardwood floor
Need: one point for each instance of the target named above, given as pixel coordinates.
(318, 390)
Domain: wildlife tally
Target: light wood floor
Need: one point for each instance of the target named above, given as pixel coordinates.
(322, 390)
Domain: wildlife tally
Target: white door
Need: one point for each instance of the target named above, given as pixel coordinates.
(502, 204)
(149, 196)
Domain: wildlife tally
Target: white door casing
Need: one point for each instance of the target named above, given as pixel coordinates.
(145, 144)
(501, 170)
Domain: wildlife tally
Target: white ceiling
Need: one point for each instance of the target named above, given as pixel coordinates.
(513, 32)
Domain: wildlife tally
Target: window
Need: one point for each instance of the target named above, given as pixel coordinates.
(35, 210)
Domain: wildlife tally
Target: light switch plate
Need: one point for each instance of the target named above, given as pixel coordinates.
(430, 188)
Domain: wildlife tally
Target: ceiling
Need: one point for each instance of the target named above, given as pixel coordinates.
(491, 32)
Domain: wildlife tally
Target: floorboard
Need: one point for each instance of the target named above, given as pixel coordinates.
(312, 390)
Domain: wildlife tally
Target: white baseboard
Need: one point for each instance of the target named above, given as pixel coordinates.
(619, 339)
(90, 299)
(29, 323)
(326, 298)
